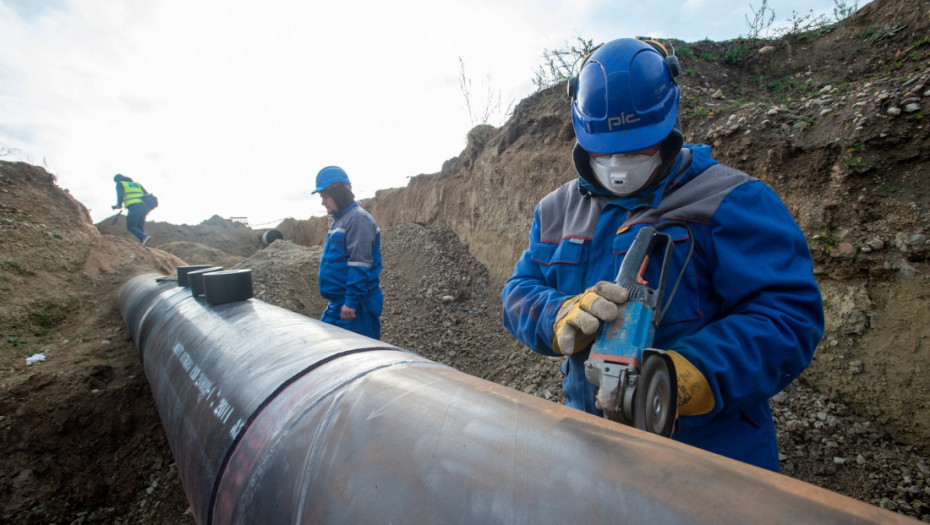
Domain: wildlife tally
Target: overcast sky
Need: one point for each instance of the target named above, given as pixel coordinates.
(228, 107)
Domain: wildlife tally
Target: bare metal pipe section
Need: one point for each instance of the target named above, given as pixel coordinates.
(273, 417)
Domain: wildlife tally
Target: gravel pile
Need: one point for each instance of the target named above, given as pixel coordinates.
(824, 443)
(284, 274)
(438, 303)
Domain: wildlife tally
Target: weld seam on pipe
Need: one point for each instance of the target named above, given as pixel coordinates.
(332, 394)
(221, 471)
(312, 459)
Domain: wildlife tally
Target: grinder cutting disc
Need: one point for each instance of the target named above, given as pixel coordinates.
(656, 399)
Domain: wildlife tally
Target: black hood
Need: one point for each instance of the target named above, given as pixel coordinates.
(342, 194)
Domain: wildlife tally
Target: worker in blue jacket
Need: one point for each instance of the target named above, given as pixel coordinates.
(350, 267)
(747, 314)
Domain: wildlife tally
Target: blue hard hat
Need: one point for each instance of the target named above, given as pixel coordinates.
(625, 97)
(329, 176)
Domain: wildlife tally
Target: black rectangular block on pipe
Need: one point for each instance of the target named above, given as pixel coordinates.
(227, 286)
(195, 279)
(184, 270)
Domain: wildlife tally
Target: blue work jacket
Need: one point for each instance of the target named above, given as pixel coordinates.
(350, 267)
(748, 313)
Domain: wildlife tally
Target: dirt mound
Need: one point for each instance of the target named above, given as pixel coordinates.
(284, 274)
(196, 253)
(80, 427)
(230, 237)
(53, 263)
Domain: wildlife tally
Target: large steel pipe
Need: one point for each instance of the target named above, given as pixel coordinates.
(277, 418)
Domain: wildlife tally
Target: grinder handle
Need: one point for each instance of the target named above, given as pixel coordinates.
(637, 259)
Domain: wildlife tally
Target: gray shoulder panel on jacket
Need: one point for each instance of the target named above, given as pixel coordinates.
(567, 213)
(698, 199)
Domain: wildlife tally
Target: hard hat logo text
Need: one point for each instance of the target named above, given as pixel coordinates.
(622, 120)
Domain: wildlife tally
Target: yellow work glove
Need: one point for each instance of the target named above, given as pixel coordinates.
(694, 394)
(579, 317)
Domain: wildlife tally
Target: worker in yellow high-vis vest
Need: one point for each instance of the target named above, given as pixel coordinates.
(129, 194)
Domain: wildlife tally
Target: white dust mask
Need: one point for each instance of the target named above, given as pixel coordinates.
(624, 175)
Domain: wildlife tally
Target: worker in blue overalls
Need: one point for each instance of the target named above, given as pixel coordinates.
(350, 267)
(747, 314)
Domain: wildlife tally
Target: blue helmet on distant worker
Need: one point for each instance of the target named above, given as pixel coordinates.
(625, 97)
(329, 176)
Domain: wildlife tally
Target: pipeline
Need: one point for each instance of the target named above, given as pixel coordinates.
(273, 417)
(271, 236)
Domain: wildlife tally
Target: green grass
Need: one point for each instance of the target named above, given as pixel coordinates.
(732, 56)
(829, 242)
(16, 341)
(684, 51)
(47, 320)
(853, 162)
(820, 31)
(879, 33)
